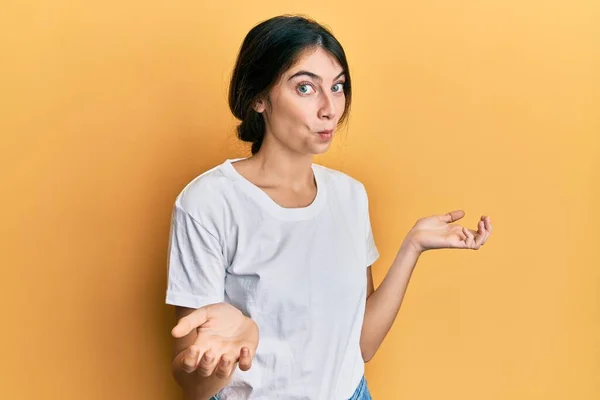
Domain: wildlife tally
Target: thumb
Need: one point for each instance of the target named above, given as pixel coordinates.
(453, 216)
(190, 322)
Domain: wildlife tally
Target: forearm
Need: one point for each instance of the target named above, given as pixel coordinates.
(384, 303)
(195, 386)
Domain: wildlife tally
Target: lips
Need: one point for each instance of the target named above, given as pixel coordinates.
(326, 132)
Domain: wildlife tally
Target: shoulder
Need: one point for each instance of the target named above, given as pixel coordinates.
(204, 197)
(342, 182)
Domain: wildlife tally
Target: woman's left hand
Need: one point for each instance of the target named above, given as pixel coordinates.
(436, 232)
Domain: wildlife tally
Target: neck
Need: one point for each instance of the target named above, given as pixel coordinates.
(285, 170)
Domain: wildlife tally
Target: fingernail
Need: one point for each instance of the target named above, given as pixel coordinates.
(245, 351)
(208, 359)
(225, 363)
(193, 352)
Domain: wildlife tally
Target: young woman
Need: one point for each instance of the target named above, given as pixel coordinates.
(270, 255)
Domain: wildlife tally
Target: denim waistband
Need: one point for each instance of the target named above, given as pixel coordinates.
(361, 392)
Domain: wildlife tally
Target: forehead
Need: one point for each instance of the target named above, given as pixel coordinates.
(318, 61)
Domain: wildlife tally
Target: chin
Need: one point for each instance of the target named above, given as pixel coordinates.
(318, 150)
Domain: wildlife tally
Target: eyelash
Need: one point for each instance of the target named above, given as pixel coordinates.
(311, 85)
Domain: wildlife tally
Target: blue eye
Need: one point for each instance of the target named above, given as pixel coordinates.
(304, 88)
(340, 87)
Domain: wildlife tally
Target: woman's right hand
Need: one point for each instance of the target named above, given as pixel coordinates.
(224, 336)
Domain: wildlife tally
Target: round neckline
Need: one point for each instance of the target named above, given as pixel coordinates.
(266, 202)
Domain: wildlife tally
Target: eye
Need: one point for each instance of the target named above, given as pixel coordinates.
(338, 87)
(305, 88)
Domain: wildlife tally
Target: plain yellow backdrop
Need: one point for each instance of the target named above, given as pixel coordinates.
(109, 108)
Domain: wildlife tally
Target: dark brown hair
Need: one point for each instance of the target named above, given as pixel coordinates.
(270, 49)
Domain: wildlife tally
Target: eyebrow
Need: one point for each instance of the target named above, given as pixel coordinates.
(313, 75)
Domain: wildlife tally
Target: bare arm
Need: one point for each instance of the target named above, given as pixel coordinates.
(384, 303)
(434, 232)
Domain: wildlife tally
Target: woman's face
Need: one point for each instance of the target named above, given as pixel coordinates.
(306, 104)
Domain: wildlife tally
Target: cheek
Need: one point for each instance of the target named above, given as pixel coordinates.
(340, 105)
(299, 113)
(305, 115)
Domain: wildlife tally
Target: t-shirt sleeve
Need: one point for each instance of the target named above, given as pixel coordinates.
(196, 266)
(372, 252)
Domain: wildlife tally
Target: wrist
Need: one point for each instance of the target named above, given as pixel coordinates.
(411, 245)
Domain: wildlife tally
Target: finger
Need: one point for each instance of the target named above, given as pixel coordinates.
(225, 366)
(207, 363)
(480, 235)
(190, 359)
(207, 353)
(481, 227)
(191, 321)
(470, 240)
(453, 216)
(245, 359)
(488, 228)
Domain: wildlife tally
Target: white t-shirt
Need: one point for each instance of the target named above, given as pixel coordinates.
(300, 273)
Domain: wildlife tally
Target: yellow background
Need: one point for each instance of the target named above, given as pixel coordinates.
(109, 108)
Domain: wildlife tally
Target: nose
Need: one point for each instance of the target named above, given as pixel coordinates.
(327, 109)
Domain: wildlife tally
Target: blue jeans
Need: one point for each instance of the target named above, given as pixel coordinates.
(361, 392)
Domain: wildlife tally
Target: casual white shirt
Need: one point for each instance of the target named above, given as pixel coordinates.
(300, 273)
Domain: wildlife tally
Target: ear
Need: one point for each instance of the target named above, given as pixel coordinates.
(259, 106)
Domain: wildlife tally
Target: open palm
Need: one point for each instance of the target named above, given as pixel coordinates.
(438, 232)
